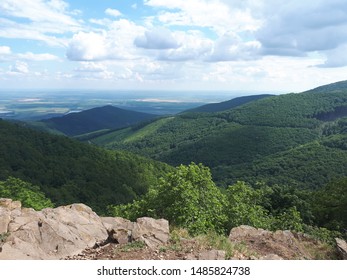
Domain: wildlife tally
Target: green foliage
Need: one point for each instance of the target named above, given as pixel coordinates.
(4, 236)
(187, 197)
(244, 207)
(289, 219)
(68, 171)
(107, 117)
(322, 234)
(30, 196)
(291, 139)
(330, 205)
(227, 105)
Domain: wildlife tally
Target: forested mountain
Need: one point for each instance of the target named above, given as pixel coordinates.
(283, 139)
(227, 105)
(107, 117)
(68, 171)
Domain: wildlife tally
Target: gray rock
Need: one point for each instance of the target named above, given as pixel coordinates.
(270, 257)
(151, 231)
(342, 247)
(119, 229)
(212, 255)
(50, 233)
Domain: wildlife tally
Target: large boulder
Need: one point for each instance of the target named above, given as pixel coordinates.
(342, 247)
(119, 230)
(151, 231)
(273, 245)
(50, 233)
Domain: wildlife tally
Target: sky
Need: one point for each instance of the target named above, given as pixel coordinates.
(248, 45)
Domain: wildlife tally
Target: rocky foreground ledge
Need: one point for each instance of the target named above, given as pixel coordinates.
(76, 232)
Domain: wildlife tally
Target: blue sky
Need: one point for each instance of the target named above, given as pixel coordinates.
(266, 45)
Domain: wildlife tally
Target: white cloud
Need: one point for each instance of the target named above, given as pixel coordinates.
(90, 67)
(297, 27)
(116, 43)
(4, 50)
(87, 47)
(335, 58)
(6, 54)
(45, 19)
(113, 12)
(212, 14)
(230, 47)
(19, 67)
(192, 46)
(159, 38)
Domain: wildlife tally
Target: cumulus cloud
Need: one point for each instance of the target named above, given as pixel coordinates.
(19, 67)
(192, 46)
(115, 43)
(113, 12)
(6, 54)
(158, 38)
(90, 67)
(335, 58)
(5, 50)
(230, 47)
(214, 14)
(87, 47)
(43, 19)
(297, 27)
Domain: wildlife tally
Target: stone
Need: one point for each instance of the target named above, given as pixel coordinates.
(270, 257)
(151, 231)
(119, 230)
(240, 232)
(212, 255)
(51, 233)
(342, 247)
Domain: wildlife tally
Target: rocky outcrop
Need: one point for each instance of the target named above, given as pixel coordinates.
(68, 230)
(148, 230)
(273, 245)
(342, 248)
(153, 232)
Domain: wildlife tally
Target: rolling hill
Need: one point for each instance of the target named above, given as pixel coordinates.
(106, 117)
(227, 105)
(68, 171)
(267, 139)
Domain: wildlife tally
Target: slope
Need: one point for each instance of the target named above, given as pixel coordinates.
(227, 105)
(107, 117)
(69, 171)
(237, 142)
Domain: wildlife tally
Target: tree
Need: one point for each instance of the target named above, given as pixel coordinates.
(29, 195)
(244, 207)
(187, 197)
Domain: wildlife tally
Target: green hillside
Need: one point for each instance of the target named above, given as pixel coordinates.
(292, 138)
(68, 171)
(107, 117)
(227, 105)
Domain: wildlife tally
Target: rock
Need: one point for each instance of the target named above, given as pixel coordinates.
(342, 247)
(119, 229)
(270, 257)
(151, 231)
(212, 255)
(241, 232)
(50, 233)
(267, 244)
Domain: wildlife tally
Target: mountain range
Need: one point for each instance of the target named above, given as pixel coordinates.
(100, 118)
(294, 139)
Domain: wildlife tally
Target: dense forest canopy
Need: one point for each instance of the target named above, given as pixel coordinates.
(296, 138)
(68, 171)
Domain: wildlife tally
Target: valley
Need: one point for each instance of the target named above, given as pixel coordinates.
(265, 161)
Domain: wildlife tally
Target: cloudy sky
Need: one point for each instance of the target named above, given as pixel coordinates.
(267, 45)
